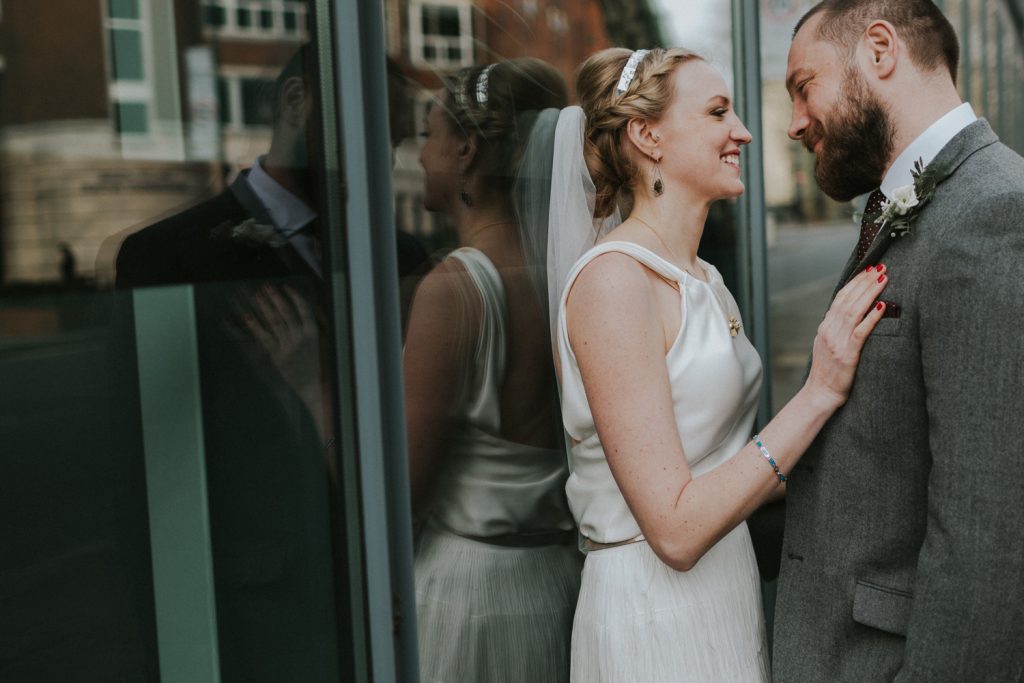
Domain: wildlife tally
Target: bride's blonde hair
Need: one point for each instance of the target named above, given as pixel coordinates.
(647, 97)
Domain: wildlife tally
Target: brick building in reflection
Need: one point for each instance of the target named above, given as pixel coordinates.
(147, 107)
(429, 38)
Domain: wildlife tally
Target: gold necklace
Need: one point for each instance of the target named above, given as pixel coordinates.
(733, 321)
(667, 248)
(476, 231)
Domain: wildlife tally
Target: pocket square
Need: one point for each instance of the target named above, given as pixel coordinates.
(892, 310)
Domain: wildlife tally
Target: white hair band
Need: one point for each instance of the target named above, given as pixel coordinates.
(629, 71)
(481, 85)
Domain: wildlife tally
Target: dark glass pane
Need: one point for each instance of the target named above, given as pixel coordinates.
(429, 52)
(454, 54)
(291, 21)
(257, 108)
(131, 117)
(266, 19)
(448, 21)
(126, 58)
(243, 17)
(215, 16)
(172, 503)
(223, 100)
(124, 9)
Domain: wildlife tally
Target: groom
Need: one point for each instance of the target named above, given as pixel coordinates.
(903, 556)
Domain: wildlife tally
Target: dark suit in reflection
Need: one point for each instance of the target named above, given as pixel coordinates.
(266, 473)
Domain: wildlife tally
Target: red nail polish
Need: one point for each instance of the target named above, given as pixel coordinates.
(881, 277)
(868, 269)
(879, 305)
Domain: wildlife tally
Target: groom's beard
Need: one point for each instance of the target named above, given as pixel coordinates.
(856, 147)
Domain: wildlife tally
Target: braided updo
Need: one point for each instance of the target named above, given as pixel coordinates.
(516, 90)
(647, 97)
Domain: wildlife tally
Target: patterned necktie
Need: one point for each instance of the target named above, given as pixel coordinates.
(868, 228)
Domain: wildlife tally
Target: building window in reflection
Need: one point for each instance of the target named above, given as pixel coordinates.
(441, 33)
(256, 19)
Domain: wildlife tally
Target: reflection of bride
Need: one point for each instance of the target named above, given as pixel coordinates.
(659, 385)
(496, 565)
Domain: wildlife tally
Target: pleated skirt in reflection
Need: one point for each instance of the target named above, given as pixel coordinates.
(493, 614)
(639, 620)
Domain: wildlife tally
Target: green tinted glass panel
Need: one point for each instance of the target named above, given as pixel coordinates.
(124, 9)
(126, 57)
(131, 117)
(244, 18)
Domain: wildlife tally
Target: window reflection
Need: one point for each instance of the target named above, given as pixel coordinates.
(181, 160)
(497, 568)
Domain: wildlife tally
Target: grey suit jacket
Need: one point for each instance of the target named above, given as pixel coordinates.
(903, 554)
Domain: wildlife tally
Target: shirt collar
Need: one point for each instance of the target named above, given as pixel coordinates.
(289, 213)
(926, 147)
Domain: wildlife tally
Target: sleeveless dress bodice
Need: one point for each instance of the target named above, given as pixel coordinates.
(715, 379)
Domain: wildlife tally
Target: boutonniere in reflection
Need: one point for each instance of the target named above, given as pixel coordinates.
(250, 233)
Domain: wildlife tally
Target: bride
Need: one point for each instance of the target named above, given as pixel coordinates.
(659, 384)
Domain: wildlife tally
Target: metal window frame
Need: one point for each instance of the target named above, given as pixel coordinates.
(371, 269)
(752, 245)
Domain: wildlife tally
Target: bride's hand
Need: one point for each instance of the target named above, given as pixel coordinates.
(841, 335)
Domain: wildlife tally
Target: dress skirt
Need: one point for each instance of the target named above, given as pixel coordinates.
(639, 620)
(491, 613)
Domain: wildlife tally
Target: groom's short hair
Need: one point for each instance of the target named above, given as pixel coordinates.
(928, 34)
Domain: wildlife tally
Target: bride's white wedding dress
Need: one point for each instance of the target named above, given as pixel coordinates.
(638, 620)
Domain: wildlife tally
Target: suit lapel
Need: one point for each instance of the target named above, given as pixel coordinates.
(974, 137)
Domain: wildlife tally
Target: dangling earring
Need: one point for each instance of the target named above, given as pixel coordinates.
(659, 187)
(464, 195)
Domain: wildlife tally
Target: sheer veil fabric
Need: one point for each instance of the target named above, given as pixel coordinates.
(555, 198)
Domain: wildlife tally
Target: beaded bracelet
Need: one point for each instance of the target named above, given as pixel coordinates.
(769, 458)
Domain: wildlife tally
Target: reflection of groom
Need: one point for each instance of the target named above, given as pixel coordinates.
(265, 465)
(903, 554)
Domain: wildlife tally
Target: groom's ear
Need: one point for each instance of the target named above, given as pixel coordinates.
(882, 48)
(644, 138)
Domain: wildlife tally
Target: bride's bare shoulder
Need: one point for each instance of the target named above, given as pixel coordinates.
(611, 281)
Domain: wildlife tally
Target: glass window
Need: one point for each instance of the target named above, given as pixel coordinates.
(257, 108)
(127, 58)
(174, 358)
(215, 16)
(132, 117)
(442, 34)
(243, 17)
(291, 21)
(124, 9)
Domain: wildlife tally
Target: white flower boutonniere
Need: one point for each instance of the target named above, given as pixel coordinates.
(258, 233)
(250, 233)
(899, 212)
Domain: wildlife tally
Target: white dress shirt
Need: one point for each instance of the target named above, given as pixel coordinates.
(926, 147)
(289, 213)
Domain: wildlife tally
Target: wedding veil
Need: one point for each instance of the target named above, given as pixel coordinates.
(555, 199)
